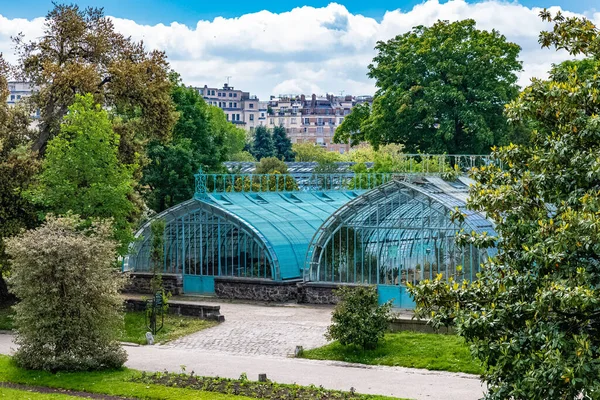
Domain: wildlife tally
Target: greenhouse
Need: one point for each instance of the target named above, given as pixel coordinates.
(315, 229)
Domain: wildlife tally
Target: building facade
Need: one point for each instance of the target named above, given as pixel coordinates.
(18, 91)
(313, 119)
(306, 119)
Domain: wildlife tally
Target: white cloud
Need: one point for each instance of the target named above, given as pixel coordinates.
(311, 49)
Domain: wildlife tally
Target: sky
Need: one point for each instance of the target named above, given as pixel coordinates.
(296, 46)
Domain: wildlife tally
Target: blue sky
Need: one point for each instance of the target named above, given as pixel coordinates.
(324, 48)
(190, 11)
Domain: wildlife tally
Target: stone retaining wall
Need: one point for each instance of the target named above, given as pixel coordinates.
(202, 311)
(139, 282)
(256, 289)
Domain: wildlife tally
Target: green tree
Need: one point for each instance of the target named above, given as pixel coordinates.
(82, 173)
(271, 165)
(306, 152)
(18, 166)
(70, 309)
(242, 156)
(358, 319)
(283, 145)
(351, 127)
(440, 89)
(202, 137)
(80, 52)
(263, 143)
(533, 315)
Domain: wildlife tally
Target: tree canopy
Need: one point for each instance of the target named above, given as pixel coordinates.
(81, 172)
(440, 89)
(80, 52)
(202, 138)
(533, 315)
(263, 145)
(282, 144)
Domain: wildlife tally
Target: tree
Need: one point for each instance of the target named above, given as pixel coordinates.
(69, 312)
(533, 315)
(283, 145)
(358, 319)
(263, 143)
(440, 89)
(82, 173)
(202, 138)
(271, 165)
(306, 152)
(350, 129)
(80, 52)
(18, 166)
(242, 156)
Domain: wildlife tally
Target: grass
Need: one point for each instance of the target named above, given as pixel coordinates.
(175, 327)
(15, 394)
(135, 326)
(115, 383)
(406, 349)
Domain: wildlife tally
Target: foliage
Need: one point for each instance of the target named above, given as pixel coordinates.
(312, 152)
(358, 319)
(80, 52)
(263, 145)
(441, 89)
(18, 166)
(82, 173)
(69, 312)
(242, 156)
(406, 349)
(533, 316)
(351, 127)
(283, 145)
(6, 317)
(202, 138)
(271, 165)
(245, 387)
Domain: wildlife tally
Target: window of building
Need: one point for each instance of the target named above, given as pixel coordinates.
(235, 105)
(341, 120)
(293, 120)
(230, 94)
(251, 105)
(219, 104)
(251, 129)
(272, 121)
(262, 115)
(319, 121)
(235, 95)
(12, 97)
(219, 94)
(237, 117)
(230, 105)
(212, 92)
(306, 121)
(280, 121)
(319, 129)
(320, 140)
(227, 115)
(251, 117)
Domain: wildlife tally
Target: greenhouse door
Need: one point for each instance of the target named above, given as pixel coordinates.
(397, 294)
(198, 284)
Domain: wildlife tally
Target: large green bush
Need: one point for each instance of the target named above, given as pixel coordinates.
(69, 314)
(358, 319)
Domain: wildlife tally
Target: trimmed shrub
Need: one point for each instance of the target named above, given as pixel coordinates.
(70, 311)
(358, 319)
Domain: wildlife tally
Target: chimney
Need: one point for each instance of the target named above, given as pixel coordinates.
(314, 97)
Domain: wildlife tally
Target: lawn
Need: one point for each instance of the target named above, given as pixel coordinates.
(15, 394)
(121, 383)
(175, 327)
(406, 349)
(135, 326)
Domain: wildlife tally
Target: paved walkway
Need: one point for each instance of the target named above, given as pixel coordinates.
(261, 330)
(390, 381)
(257, 339)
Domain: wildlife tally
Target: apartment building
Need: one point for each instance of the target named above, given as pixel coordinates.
(18, 91)
(312, 119)
(240, 107)
(306, 119)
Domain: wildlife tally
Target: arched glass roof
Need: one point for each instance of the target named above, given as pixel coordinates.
(398, 227)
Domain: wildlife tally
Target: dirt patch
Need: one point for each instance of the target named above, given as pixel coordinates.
(44, 389)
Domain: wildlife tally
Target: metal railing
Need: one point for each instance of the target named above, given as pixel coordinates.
(408, 165)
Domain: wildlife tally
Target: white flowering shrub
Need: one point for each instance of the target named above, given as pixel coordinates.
(70, 311)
